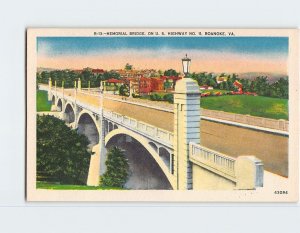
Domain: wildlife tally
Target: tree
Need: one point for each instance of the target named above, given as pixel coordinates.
(111, 74)
(211, 82)
(38, 80)
(170, 72)
(167, 84)
(280, 88)
(116, 168)
(128, 66)
(62, 154)
(124, 90)
(86, 77)
(44, 77)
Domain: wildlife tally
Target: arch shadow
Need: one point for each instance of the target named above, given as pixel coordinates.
(87, 125)
(148, 147)
(69, 114)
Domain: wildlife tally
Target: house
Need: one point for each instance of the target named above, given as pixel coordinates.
(145, 85)
(157, 84)
(221, 79)
(206, 87)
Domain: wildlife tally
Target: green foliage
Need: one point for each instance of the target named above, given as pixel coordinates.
(108, 75)
(260, 85)
(128, 66)
(167, 84)
(70, 76)
(136, 95)
(204, 78)
(124, 90)
(155, 97)
(171, 72)
(61, 152)
(43, 77)
(169, 98)
(117, 168)
(278, 89)
(42, 103)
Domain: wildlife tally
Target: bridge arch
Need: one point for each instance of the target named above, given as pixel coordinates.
(69, 115)
(110, 126)
(165, 155)
(143, 141)
(154, 146)
(53, 99)
(87, 125)
(59, 105)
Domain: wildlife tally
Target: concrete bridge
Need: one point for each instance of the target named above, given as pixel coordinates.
(171, 136)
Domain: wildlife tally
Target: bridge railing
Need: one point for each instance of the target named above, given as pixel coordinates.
(213, 160)
(91, 91)
(282, 125)
(158, 134)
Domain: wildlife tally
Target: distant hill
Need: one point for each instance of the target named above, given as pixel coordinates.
(271, 76)
(41, 69)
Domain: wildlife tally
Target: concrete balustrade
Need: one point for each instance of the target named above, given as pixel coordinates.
(212, 159)
(246, 172)
(155, 133)
(282, 125)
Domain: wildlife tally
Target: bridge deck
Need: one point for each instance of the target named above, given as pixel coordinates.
(152, 116)
(85, 98)
(161, 119)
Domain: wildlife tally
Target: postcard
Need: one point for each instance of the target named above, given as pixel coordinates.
(162, 115)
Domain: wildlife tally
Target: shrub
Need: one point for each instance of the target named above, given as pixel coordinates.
(117, 168)
(123, 90)
(155, 97)
(136, 95)
(169, 98)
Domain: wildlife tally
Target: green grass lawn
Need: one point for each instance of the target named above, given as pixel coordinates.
(42, 103)
(55, 186)
(253, 105)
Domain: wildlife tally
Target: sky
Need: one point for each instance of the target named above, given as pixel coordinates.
(208, 54)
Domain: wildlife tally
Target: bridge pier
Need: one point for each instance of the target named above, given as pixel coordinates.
(102, 148)
(186, 129)
(79, 84)
(49, 89)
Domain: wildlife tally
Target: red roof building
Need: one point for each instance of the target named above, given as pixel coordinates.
(113, 80)
(145, 85)
(157, 84)
(98, 71)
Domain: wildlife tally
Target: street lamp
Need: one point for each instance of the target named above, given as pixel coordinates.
(186, 62)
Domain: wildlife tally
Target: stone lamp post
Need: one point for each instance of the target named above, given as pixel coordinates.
(186, 125)
(186, 62)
